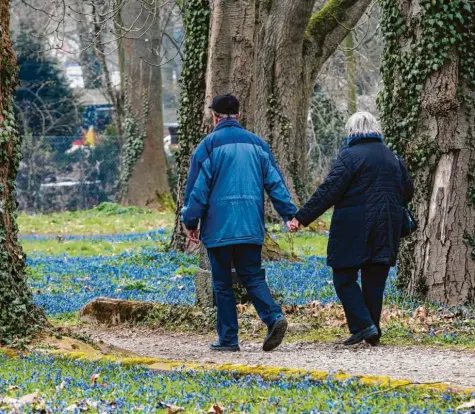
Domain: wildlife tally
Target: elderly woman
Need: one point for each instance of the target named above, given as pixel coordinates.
(369, 187)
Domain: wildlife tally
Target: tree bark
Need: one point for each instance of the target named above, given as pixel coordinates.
(269, 53)
(149, 179)
(438, 262)
(193, 91)
(231, 56)
(19, 317)
(351, 73)
(294, 43)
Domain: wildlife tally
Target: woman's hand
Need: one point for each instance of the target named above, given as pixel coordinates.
(293, 225)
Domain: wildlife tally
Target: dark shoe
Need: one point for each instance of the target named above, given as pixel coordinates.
(375, 341)
(224, 348)
(367, 334)
(275, 334)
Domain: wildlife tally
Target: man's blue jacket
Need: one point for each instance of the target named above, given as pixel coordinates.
(230, 169)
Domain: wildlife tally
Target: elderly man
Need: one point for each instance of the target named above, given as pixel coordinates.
(230, 169)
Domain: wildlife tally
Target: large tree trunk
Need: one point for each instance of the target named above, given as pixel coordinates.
(149, 180)
(192, 97)
(231, 59)
(19, 317)
(429, 118)
(269, 55)
(294, 43)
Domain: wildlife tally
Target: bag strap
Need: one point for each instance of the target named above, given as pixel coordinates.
(399, 160)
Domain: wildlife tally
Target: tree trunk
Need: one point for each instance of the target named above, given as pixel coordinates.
(19, 317)
(149, 180)
(351, 73)
(269, 54)
(90, 66)
(294, 43)
(429, 118)
(231, 59)
(192, 96)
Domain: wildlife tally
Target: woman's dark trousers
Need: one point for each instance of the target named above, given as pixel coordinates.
(363, 305)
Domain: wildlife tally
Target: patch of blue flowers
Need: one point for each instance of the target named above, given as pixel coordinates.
(65, 385)
(63, 284)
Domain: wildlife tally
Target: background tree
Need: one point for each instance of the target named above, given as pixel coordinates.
(148, 181)
(46, 105)
(19, 317)
(428, 110)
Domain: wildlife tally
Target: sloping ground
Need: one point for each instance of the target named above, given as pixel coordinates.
(419, 364)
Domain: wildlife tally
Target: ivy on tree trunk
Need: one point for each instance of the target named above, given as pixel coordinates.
(193, 87)
(19, 317)
(427, 106)
(268, 54)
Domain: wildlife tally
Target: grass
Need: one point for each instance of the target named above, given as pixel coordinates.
(85, 247)
(305, 244)
(80, 385)
(107, 218)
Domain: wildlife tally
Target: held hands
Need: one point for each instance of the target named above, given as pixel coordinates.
(193, 236)
(293, 225)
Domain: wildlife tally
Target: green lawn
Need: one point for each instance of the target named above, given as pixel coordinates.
(306, 244)
(85, 247)
(107, 218)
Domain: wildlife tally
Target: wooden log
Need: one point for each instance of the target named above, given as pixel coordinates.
(115, 311)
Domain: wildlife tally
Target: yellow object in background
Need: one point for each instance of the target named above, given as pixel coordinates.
(90, 137)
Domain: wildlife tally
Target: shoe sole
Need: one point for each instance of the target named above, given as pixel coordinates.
(225, 349)
(277, 335)
(369, 338)
(374, 341)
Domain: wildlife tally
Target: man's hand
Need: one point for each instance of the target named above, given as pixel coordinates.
(293, 225)
(193, 235)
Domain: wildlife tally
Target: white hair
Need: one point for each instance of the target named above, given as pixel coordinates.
(362, 123)
(225, 116)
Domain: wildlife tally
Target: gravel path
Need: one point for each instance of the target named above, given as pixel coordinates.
(420, 364)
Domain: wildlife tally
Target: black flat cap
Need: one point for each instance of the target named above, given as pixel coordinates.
(225, 104)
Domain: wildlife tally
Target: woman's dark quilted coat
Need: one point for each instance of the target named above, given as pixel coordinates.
(368, 185)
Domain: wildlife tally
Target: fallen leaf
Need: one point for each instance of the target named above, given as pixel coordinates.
(61, 386)
(470, 404)
(29, 398)
(172, 409)
(94, 378)
(216, 409)
(12, 387)
(92, 404)
(9, 401)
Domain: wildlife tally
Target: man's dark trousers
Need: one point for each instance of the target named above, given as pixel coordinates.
(363, 305)
(247, 262)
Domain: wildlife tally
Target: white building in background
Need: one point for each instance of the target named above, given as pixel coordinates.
(74, 76)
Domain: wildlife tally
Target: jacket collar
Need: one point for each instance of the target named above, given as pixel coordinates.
(227, 123)
(358, 139)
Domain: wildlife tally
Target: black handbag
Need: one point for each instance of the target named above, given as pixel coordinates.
(409, 223)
